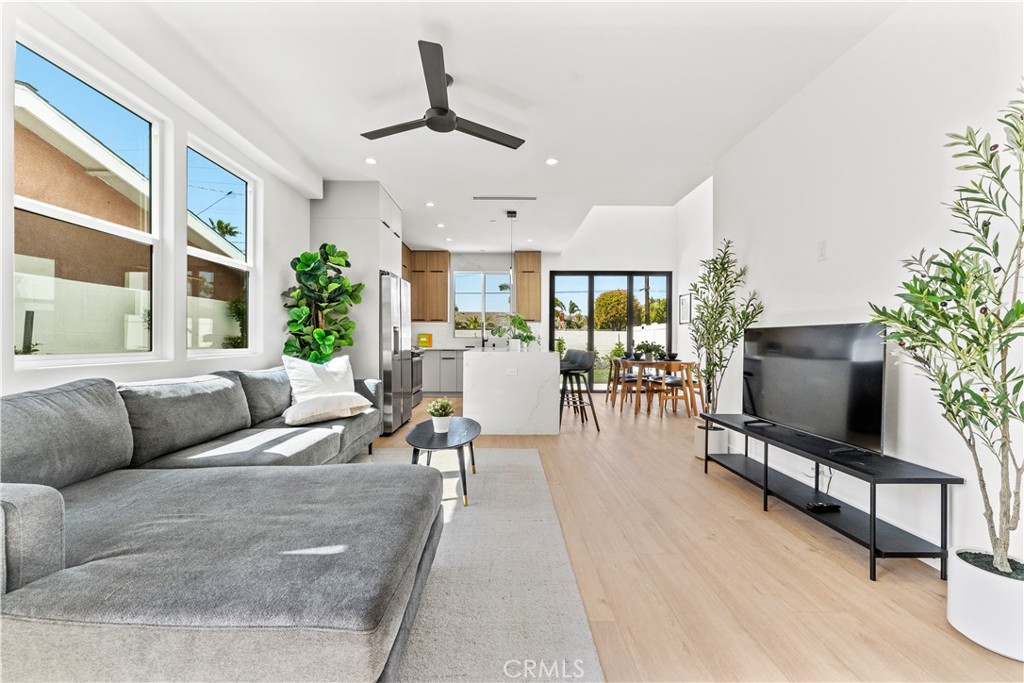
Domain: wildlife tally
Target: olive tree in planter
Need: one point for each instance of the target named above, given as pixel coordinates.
(961, 323)
(720, 317)
(318, 306)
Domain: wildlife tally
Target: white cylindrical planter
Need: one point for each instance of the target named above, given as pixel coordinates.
(986, 607)
(718, 440)
(441, 424)
(514, 345)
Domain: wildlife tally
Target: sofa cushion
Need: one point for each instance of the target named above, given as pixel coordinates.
(168, 415)
(63, 435)
(350, 428)
(268, 392)
(244, 570)
(281, 446)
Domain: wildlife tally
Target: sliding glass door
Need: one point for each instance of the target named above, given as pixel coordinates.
(609, 312)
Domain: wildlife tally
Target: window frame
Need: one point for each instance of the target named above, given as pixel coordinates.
(468, 334)
(154, 238)
(631, 278)
(252, 242)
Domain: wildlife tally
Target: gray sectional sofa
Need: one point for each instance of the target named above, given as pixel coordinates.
(141, 544)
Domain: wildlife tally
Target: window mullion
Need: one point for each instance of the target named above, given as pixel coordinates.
(219, 259)
(82, 220)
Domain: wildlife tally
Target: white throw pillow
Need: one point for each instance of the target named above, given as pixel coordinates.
(327, 407)
(309, 380)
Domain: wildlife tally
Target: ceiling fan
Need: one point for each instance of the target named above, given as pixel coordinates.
(439, 118)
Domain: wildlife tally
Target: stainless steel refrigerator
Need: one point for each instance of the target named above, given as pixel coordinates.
(395, 350)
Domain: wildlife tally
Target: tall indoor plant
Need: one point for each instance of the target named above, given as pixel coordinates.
(318, 305)
(721, 316)
(961, 322)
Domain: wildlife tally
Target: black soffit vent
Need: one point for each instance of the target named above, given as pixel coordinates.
(439, 118)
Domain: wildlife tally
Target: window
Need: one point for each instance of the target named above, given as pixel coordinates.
(589, 310)
(83, 237)
(482, 300)
(219, 266)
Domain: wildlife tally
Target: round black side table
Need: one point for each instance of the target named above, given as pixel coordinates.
(461, 432)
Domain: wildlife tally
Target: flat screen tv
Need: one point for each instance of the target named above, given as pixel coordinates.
(825, 380)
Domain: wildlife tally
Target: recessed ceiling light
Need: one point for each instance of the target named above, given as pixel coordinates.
(529, 239)
(430, 204)
(551, 161)
(440, 225)
(370, 160)
(447, 239)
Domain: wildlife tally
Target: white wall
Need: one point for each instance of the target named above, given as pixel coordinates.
(856, 160)
(280, 224)
(694, 226)
(619, 238)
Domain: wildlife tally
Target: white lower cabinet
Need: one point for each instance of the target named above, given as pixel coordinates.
(442, 372)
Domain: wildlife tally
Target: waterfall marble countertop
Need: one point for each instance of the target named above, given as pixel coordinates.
(510, 392)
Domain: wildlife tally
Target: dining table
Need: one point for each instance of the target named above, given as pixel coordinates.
(646, 367)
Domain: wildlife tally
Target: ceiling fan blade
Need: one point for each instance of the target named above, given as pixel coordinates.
(397, 128)
(432, 56)
(489, 134)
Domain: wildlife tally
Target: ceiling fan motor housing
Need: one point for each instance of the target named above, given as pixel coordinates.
(441, 120)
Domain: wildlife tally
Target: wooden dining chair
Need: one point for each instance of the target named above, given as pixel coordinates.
(613, 380)
(696, 388)
(675, 387)
(628, 384)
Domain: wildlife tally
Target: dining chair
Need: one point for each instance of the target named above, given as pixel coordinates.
(613, 380)
(673, 385)
(629, 382)
(696, 388)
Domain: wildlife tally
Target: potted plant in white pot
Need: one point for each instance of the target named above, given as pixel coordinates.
(961, 322)
(720, 317)
(520, 334)
(440, 411)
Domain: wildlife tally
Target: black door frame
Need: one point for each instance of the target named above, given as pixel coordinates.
(630, 276)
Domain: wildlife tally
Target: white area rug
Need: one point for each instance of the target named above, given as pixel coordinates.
(501, 602)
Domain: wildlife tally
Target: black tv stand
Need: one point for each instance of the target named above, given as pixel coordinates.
(880, 538)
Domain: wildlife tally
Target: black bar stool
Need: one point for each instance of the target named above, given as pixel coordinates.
(575, 371)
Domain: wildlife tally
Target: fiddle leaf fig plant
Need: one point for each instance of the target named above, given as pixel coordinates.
(318, 322)
(721, 317)
(961, 320)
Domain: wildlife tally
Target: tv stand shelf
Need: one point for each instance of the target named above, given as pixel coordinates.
(880, 538)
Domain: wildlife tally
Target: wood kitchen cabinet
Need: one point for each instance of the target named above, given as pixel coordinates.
(429, 284)
(527, 284)
(406, 263)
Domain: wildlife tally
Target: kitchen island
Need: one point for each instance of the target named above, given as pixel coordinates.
(511, 392)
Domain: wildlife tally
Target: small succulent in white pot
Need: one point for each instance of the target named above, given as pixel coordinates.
(440, 411)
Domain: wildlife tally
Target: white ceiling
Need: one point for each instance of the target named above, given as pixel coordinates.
(635, 100)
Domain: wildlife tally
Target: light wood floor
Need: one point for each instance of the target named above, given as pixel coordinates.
(684, 577)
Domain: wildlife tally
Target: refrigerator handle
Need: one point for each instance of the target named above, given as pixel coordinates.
(395, 348)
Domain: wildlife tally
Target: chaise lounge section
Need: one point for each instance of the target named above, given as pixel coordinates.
(117, 572)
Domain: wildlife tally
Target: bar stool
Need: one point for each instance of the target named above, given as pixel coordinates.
(575, 370)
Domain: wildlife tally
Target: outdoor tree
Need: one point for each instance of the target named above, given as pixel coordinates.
(610, 310)
(223, 228)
